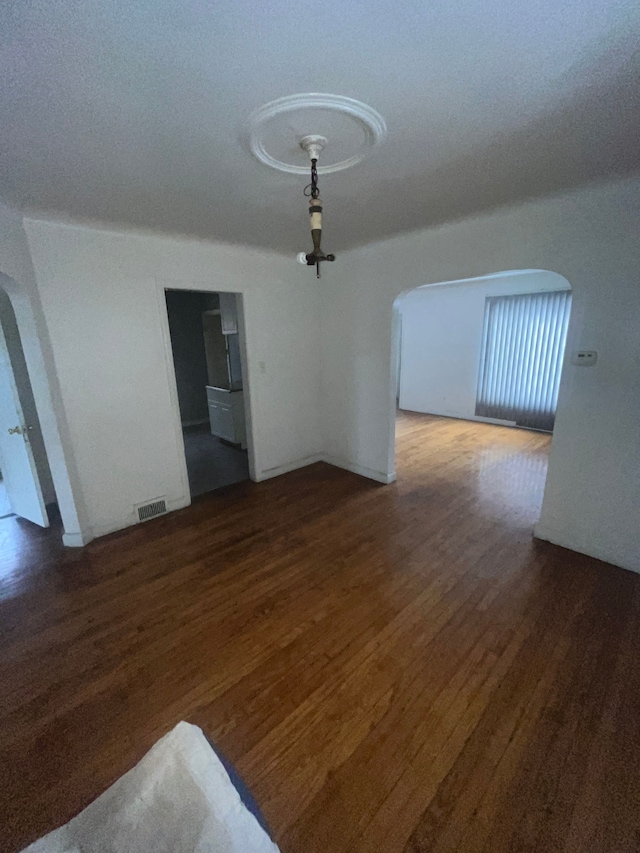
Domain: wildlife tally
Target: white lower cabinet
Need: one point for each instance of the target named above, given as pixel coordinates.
(226, 415)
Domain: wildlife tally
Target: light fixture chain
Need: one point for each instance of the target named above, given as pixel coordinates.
(314, 178)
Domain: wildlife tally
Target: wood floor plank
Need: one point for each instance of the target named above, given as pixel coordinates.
(391, 668)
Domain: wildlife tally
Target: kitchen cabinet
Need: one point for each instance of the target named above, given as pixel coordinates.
(222, 353)
(226, 415)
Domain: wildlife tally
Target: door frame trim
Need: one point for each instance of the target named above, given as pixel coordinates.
(162, 285)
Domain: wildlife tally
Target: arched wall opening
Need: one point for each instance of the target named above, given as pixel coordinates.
(444, 337)
(58, 477)
(27, 482)
(590, 237)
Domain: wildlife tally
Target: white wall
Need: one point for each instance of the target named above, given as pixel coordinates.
(441, 346)
(321, 378)
(17, 278)
(592, 497)
(102, 293)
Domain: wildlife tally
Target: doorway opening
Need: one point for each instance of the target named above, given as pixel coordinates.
(5, 503)
(476, 379)
(208, 358)
(26, 485)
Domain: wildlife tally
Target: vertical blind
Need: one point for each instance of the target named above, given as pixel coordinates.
(522, 353)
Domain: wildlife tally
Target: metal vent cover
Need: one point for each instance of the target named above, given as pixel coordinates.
(151, 509)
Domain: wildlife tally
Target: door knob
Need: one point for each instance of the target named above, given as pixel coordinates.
(15, 431)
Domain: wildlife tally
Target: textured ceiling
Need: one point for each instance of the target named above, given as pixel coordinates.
(131, 112)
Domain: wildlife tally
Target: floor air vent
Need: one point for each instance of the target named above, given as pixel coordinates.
(150, 510)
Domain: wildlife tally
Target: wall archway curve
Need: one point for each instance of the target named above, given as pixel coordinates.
(552, 281)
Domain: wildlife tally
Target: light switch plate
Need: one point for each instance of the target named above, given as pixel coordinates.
(584, 357)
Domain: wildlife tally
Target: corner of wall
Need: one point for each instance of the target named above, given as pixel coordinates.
(617, 557)
(77, 540)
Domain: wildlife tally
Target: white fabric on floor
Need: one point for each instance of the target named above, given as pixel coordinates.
(178, 799)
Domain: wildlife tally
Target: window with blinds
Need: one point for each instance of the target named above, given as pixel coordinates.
(522, 353)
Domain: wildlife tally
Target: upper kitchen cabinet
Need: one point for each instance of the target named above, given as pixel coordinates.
(229, 313)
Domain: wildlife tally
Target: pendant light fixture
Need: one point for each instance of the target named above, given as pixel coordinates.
(313, 145)
(277, 133)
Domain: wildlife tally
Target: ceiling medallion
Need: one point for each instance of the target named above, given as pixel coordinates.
(273, 132)
(285, 133)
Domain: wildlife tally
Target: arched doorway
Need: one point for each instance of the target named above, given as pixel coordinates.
(30, 368)
(27, 486)
(472, 360)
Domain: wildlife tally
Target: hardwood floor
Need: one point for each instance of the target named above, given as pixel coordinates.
(390, 668)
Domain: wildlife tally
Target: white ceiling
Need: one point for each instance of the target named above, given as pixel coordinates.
(130, 111)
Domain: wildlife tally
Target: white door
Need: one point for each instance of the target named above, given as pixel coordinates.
(16, 457)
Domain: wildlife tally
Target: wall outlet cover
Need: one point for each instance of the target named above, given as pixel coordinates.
(584, 357)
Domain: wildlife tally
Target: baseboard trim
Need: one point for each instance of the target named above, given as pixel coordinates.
(362, 470)
(479, 419)
(78, 539)
(131, 520)
(268, 473)
(623, 561)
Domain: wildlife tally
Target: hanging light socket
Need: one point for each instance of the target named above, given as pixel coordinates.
(314, 145)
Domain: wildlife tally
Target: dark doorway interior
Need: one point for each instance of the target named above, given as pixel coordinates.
(206, 357)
